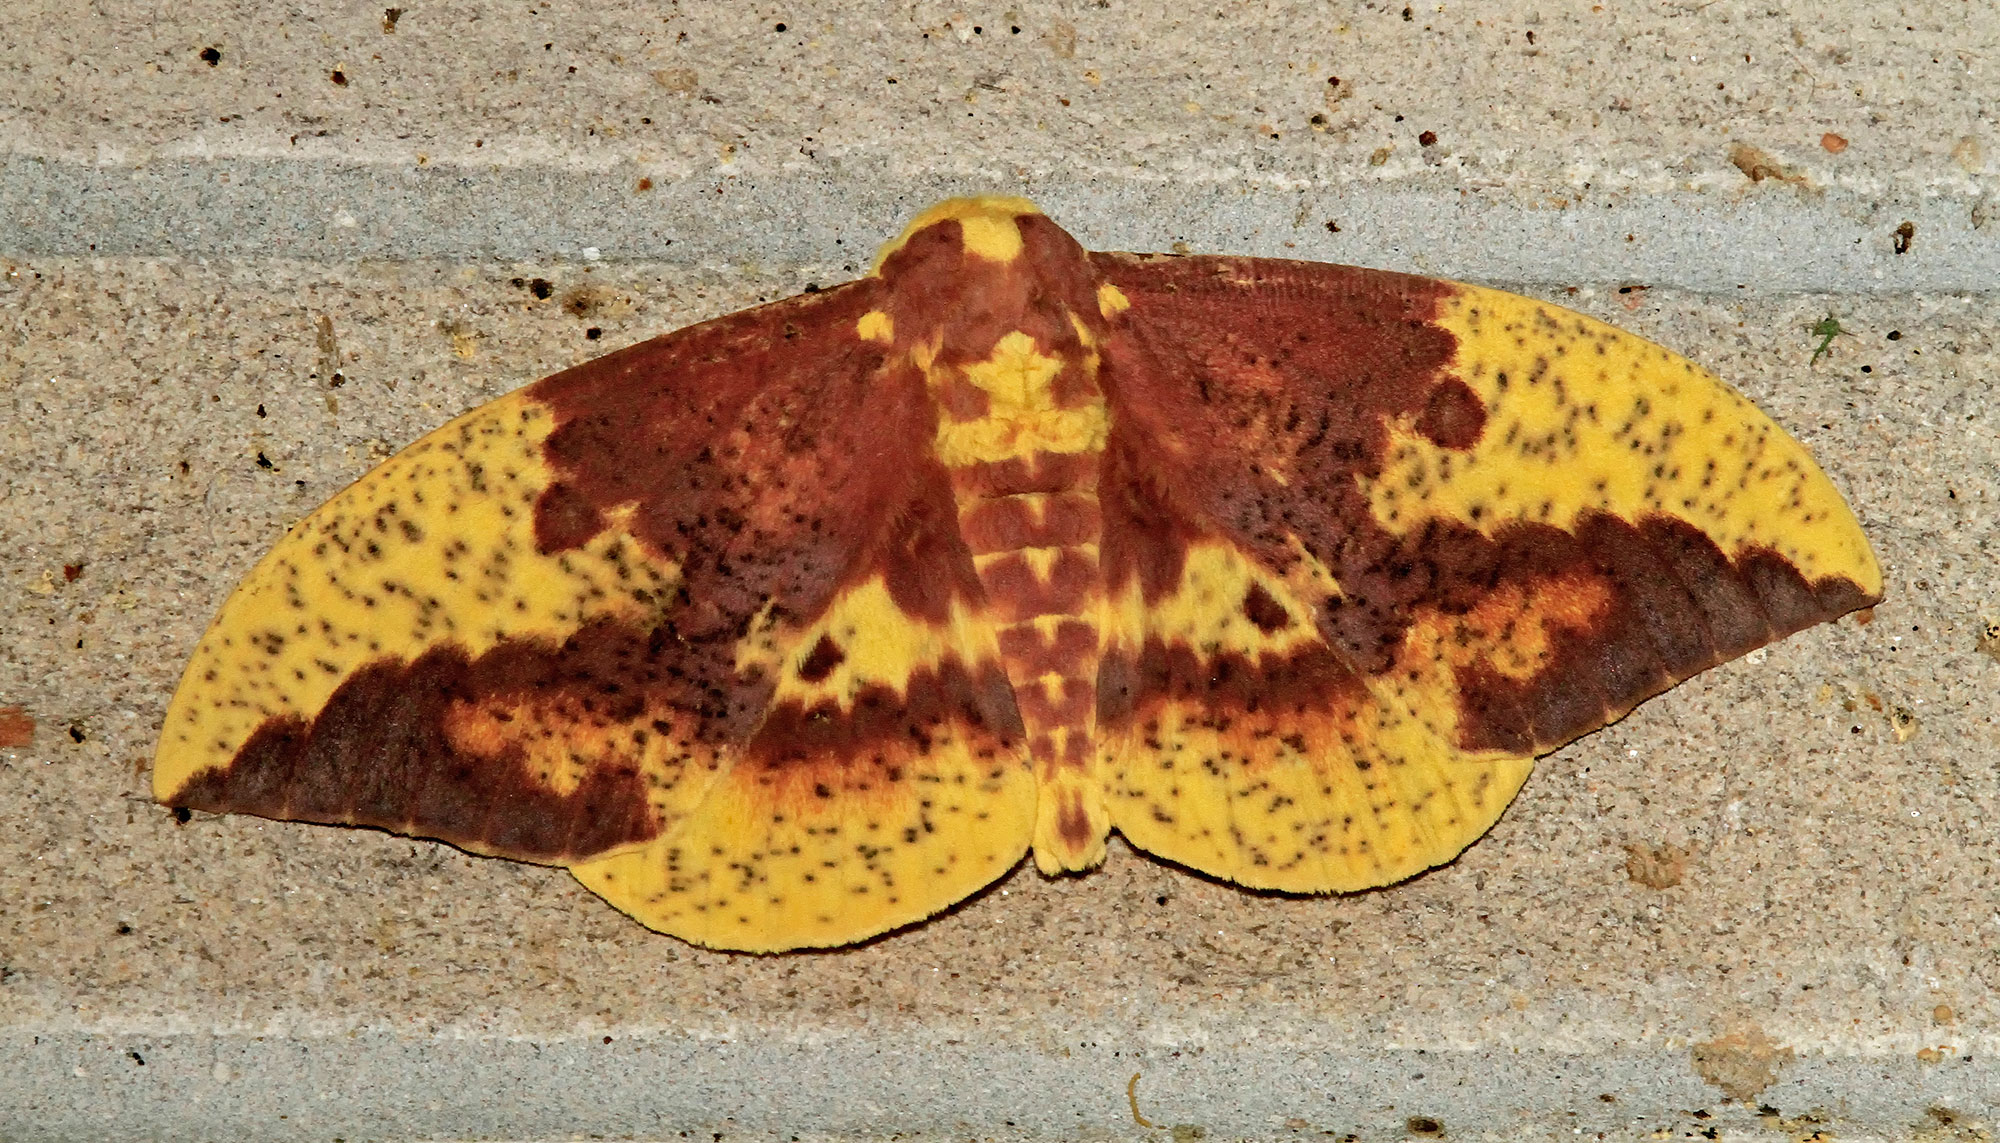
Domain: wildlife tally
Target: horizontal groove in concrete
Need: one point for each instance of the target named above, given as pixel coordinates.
(1769, 240)
(660, 1086)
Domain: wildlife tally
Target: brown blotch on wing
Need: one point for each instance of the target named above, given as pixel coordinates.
(1453, 415)
(821, 660)
(382, 753)
(1265, 611)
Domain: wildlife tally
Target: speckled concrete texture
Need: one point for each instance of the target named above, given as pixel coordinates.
(1766, 905)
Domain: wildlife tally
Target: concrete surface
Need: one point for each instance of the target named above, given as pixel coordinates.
(190, 253)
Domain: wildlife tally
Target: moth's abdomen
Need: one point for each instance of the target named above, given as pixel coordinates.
(1036, 552)
(1032, 524)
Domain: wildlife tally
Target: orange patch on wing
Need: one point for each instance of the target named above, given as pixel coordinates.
(1511, 632)
(560, 738)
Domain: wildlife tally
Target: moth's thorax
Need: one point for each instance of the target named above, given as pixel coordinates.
(999, 314)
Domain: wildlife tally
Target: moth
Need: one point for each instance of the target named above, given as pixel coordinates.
(802, 624)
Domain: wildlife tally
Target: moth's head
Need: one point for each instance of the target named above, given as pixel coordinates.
(969, 271)
(986, 227)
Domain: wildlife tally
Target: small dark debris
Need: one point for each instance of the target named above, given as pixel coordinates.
(211, 56)
(1332, 227)
(541, 288)
(812, 287)
(593, 333)
(264, 462)
(644, 184)
(1904, 235)
(1427, 139)
(777, 27)
(261, 412)
(71, 572)
(76, 732)
(1988, 640)
(338, 77)
(581, 302)
(1423, 1125)
(1317, 120)
(389, 18)
(1895, 335)
(1408, 15)
(124, 930)
(137, 1058)
(1333, 81)
(183, 815)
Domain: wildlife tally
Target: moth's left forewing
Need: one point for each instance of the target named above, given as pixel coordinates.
(1485, 525)
(684, 618)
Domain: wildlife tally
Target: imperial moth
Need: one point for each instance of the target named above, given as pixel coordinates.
(805, 623)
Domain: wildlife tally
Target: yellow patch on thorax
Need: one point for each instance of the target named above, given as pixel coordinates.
(876, 325)
(1111, 301)
(1022, 416)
